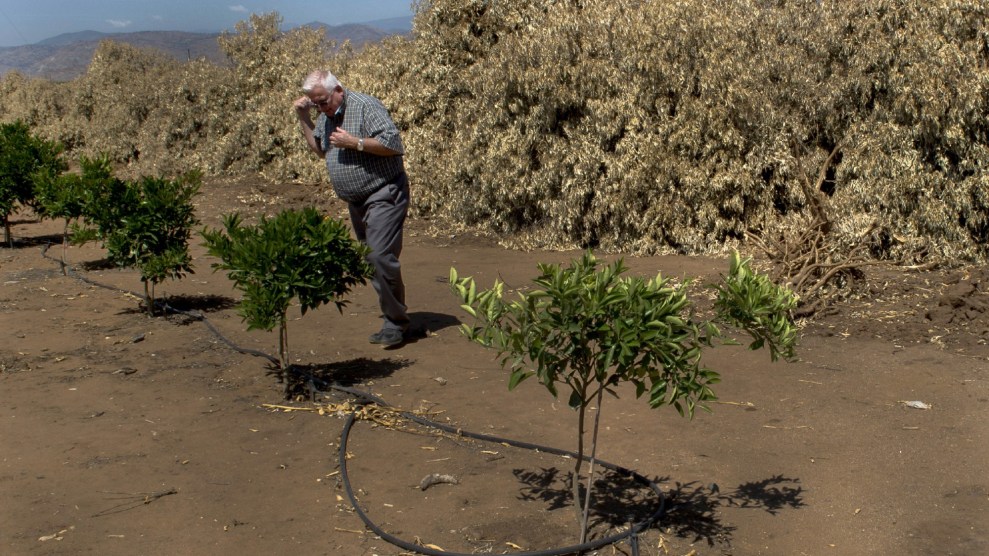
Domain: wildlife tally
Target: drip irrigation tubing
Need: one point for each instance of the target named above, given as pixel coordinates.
(162, 305)
(631, 534)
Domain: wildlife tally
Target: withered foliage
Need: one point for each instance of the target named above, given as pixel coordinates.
(625, 125)
(156, 115)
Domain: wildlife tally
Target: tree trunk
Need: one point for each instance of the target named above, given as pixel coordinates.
(65, 246)
(578, 464)
(590, 470)
(283, 355)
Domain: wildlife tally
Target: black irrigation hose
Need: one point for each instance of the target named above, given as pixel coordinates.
(632, 534)
(163, 305)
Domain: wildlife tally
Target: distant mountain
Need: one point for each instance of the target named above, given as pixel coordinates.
(399, 25)
(67, 56)
(70, 38)
(360, 34)
(357, 34)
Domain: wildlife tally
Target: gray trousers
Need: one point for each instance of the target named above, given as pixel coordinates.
(378, 223)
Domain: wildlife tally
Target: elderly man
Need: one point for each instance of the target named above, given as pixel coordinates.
(363, 151)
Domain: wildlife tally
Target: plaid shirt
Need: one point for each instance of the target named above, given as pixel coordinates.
(355, 175)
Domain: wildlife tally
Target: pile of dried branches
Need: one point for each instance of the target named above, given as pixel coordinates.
(814, 265)
(818, 272)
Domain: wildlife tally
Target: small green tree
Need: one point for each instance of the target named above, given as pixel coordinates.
(146, 224)
(106, 202)
(296, 254)
(23, 158)
(592, 330)
(65, 196)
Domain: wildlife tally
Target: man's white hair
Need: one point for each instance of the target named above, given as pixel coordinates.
(320, 78)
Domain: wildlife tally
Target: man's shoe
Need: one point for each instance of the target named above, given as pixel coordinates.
(387, 337)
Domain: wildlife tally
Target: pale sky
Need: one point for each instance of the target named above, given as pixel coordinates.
(31, 21)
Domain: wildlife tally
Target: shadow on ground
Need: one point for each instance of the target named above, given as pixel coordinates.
(309, 381)
(691, 510)
(427, 321)
(200, 303)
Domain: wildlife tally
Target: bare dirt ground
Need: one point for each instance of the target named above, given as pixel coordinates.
(125, 434)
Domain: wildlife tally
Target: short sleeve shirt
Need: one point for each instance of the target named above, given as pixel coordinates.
(354, 174)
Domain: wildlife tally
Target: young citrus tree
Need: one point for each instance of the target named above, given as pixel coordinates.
(146, 224)
(64, 195)
(592, 329)
(23, 158)
(295, 255)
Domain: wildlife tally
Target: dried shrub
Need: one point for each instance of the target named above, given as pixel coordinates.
(645, 126)
(622, 125)
(154, 115)
(268, 68)
(118, 96)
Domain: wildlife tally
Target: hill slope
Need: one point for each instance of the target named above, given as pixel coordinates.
(67, 56)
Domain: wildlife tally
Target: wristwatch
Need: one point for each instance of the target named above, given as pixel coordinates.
(360, 144)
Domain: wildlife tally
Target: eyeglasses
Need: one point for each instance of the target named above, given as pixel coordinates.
(338, 90)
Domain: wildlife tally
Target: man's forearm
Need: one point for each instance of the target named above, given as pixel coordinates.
(307, 132)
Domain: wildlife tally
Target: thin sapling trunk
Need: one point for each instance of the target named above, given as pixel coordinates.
(590, 470)
(283, 353)
(579, 463)
(65, 246)
(149, 298)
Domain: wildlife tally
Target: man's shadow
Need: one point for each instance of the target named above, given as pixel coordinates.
(432, 322)
(422, 324)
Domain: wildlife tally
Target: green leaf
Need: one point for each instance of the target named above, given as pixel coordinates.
(575, 401)
(517, 377)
